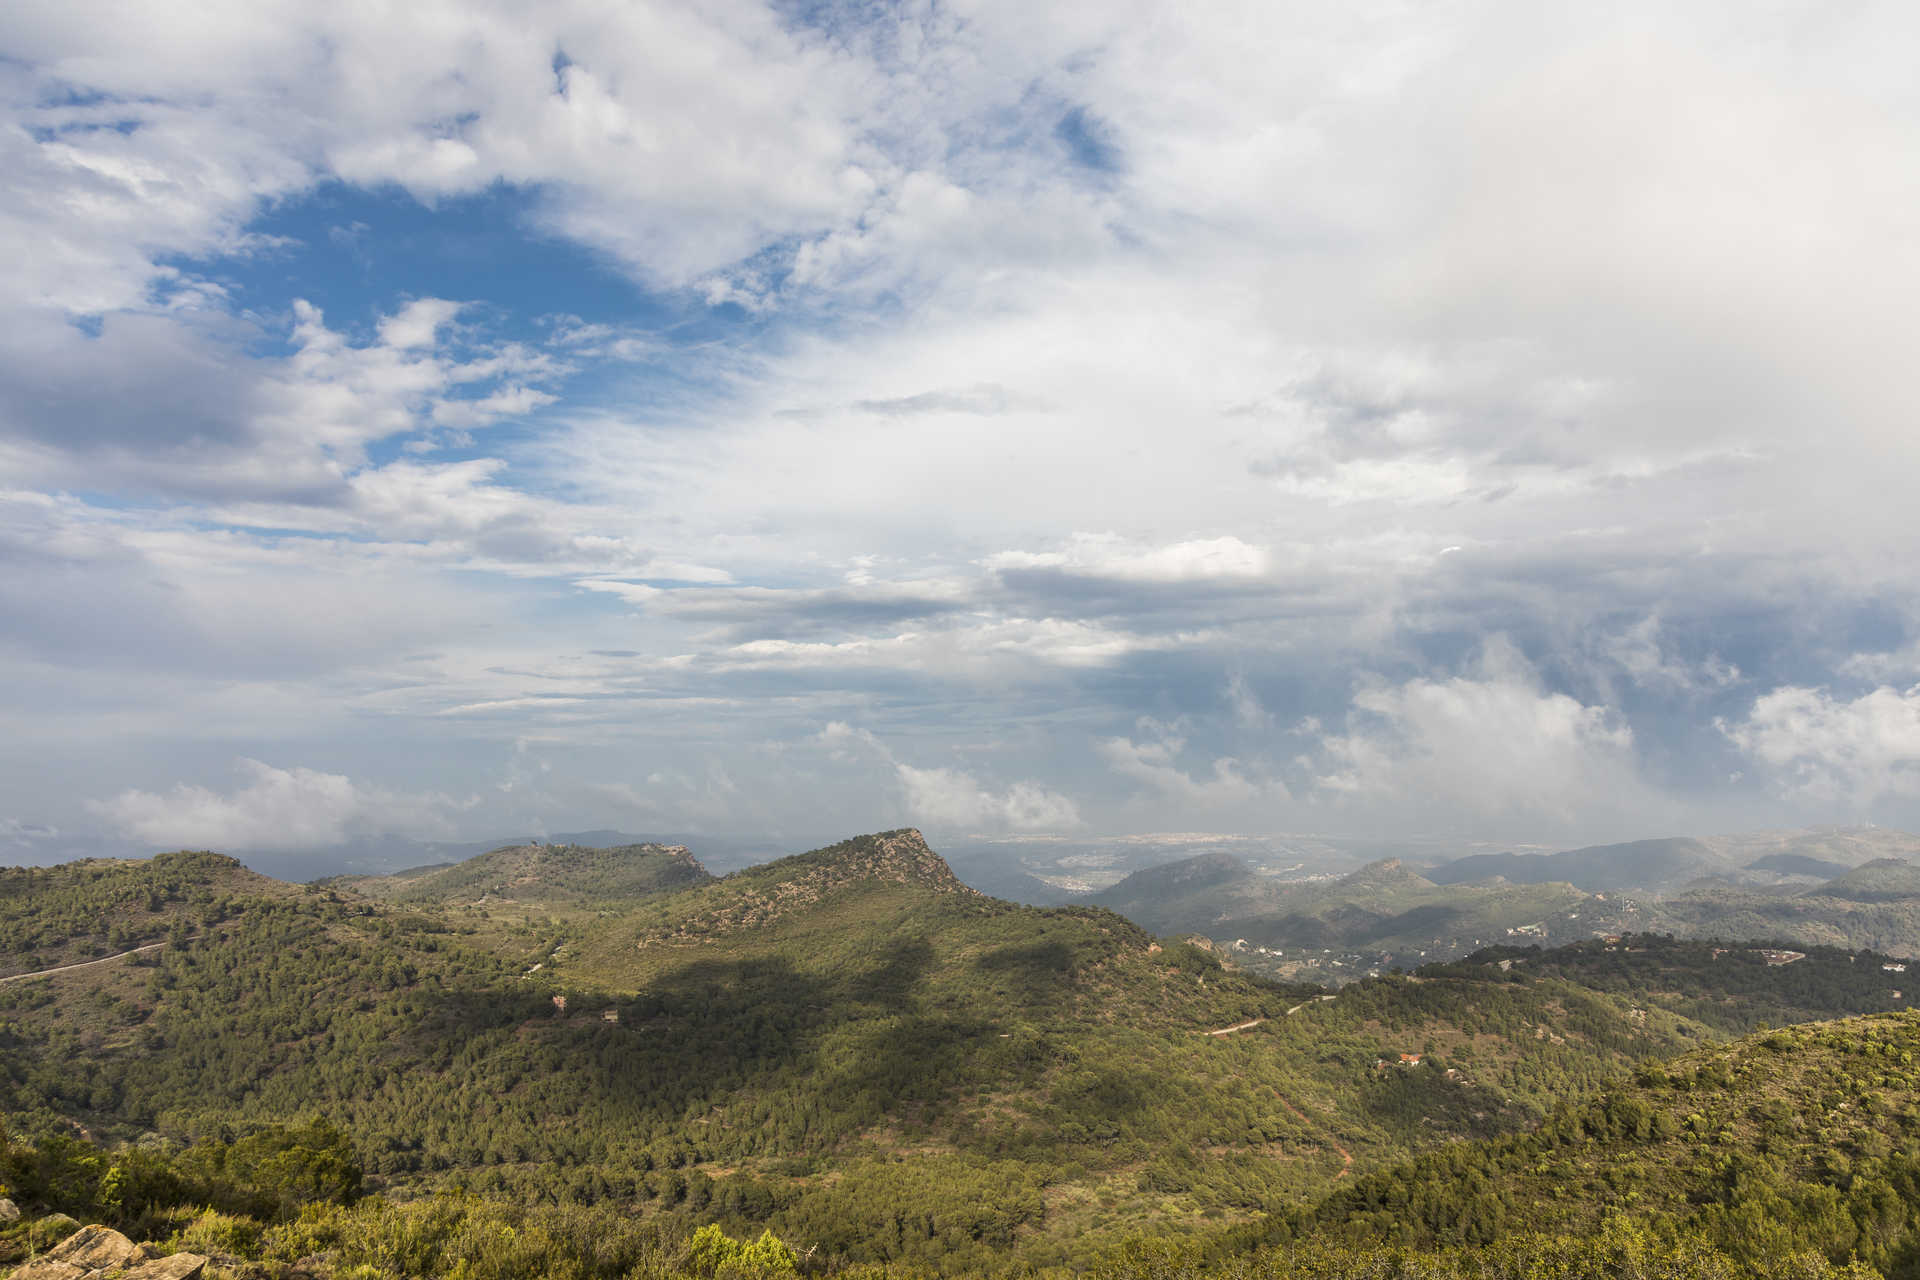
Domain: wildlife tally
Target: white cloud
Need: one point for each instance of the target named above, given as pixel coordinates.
(1222, 792)
(1248, 711)
(276, 809)
(1640, 652)
(1491, 745)
(1358, 332)
(954, 798)
(417, 324)
(1833, 749)
(1111, 556)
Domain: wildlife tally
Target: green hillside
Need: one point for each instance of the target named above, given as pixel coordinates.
(1805, 1138)
(1882, 880)
(542, 875)
(849, 1047)
(82, 911)
(757, 1050)
(1874, 911)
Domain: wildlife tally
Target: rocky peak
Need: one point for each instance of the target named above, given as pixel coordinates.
(760, 895)
(901, 856)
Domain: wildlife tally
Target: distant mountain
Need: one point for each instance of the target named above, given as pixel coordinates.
(1381, 915)
(1843, 846)
(1649, 865)
(1386, 875)
(1799, 864)
(1882, 880)
(1194, 895)
(1876, 906)
(545, 874)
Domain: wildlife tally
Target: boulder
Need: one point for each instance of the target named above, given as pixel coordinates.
(9, 1211)
(95, 1248)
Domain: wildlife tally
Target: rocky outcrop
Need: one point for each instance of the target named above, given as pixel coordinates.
(759, 896)
(93, 1253)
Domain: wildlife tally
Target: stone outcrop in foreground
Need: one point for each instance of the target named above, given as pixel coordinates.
(99, 1251)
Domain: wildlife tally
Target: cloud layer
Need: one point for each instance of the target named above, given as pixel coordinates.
(1488, 419)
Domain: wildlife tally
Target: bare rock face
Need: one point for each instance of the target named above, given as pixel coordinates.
(95, 1248)
(93, 1253)
(760, 895)
(9, 1211)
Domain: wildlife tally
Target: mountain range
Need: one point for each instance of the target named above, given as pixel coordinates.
(850, 1047)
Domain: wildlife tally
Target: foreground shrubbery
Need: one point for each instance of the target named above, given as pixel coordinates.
(286, 1198)
(1620, 1251)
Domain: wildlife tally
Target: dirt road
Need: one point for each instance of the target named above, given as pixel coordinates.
(84, 964)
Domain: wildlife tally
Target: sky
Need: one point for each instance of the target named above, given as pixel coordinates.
(456, 418)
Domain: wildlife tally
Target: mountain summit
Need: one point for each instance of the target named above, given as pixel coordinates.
(902, 856)
(887, 863)
(1386, 873)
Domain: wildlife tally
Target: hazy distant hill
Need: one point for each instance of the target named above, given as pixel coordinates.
(1883, 880)
(545, 874)
(1876, 906)
(1844, 846)
(1651, 865)
(1381, 915)
(1194, 895)
(1799, 864)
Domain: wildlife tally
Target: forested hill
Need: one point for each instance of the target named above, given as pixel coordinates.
(1639, 864)
(847, 1046)
(1792, 1139)
(802, 1027)
(539, 875)
(82, 911)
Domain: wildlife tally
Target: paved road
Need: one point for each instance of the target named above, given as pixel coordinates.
(84, 964)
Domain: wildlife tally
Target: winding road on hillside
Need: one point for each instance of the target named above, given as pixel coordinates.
(1227, 1031)
(1346, 1157)
(84, 964)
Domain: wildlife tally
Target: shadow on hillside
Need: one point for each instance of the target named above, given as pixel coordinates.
(1437, 920)
(850, 1046)
(1035, 972)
